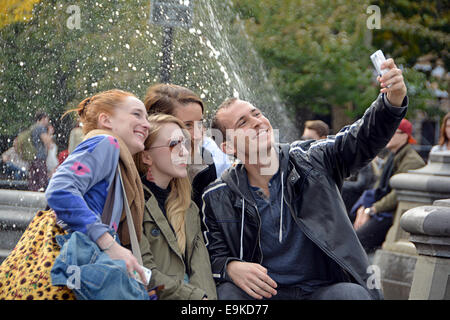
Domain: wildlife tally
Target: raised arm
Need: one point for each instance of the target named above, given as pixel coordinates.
(356, 145)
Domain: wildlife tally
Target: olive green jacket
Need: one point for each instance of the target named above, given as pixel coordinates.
(406, 159)
(161, 254)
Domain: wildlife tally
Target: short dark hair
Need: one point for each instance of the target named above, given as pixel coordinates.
(318, 126)
(216, 124)
(39, 115)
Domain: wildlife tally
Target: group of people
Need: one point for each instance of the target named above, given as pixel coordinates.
(271, 228)
(34, 155)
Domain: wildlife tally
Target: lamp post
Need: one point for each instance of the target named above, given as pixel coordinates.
(170, 14)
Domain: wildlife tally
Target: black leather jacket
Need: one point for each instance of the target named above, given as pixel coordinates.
(314, 172)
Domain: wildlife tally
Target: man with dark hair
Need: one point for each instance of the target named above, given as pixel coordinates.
(41, 140)
(277, 227)
(315, 129)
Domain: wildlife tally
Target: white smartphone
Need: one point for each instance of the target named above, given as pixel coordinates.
(377, 59)
(148, 275)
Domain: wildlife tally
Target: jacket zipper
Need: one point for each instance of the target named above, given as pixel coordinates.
(259, 234)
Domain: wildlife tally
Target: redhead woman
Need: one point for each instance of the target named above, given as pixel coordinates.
(172, 245)
(115, 127)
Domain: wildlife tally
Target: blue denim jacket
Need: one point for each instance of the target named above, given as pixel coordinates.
(91, 273)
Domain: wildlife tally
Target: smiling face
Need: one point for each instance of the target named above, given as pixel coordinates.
(167, 156)
(129, 122)
(192, 116)
(249, 132)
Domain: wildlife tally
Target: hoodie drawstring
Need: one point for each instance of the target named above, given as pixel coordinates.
(280, 238)
(241, 250)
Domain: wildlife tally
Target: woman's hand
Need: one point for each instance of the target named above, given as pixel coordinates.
(116, 252)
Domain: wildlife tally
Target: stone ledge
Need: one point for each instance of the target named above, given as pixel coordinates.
(26, 199)
(432, 245)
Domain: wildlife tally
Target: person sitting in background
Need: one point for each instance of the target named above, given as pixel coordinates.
(444, 136)
(41, 140)
(356, 184)
(376, 207)
(13, 166)
(315, 129)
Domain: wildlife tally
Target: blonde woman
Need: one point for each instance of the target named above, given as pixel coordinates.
(172, 245)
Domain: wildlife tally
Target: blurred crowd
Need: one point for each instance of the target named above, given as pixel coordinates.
(34, 156)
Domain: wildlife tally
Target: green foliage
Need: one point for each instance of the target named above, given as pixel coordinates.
(317, 52)
(314, 51)
(412, 30)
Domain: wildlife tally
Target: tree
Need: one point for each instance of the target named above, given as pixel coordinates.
(418, 33)
(16, 11)
(317, 53)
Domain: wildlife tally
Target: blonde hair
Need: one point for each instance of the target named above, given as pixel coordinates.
(179, 198)
(104, 102)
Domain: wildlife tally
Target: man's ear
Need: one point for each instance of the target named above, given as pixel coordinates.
(147, 158)
(104, 121)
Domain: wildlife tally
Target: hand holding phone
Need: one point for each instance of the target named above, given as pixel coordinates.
(148, 275)
(391, 79)
(377, 59)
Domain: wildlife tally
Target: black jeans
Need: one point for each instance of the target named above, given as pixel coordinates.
(337, 291)
(373, 232)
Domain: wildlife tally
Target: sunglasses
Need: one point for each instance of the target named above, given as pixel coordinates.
(176, 145)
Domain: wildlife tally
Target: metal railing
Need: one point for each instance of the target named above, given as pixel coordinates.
(17, 208)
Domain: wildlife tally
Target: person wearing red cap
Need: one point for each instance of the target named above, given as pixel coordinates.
(376, 207)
